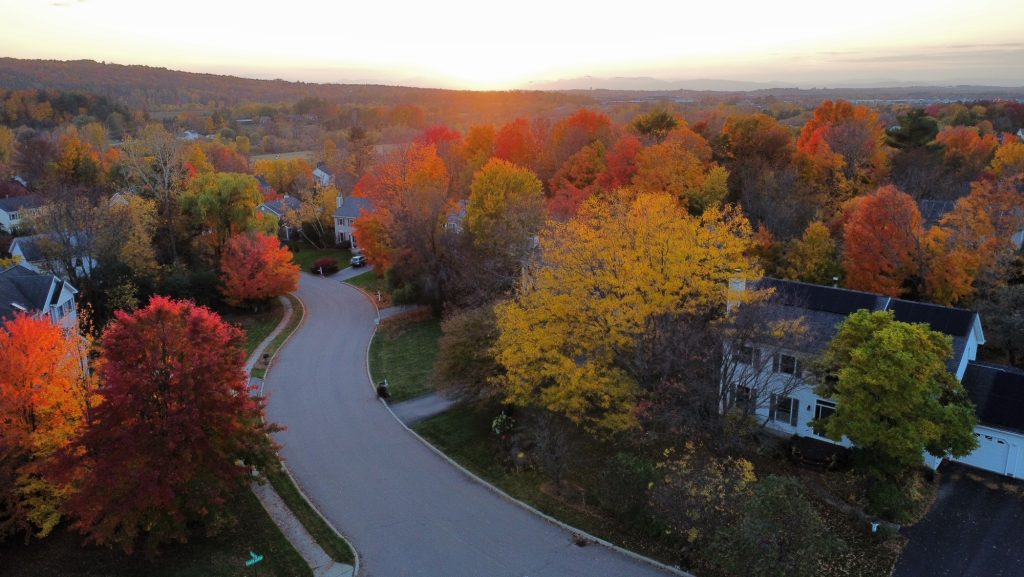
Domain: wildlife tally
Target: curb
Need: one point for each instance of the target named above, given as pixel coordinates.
(503, 494)
(284, 467)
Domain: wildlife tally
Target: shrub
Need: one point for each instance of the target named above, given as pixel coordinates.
(327, 266)
(623, 487)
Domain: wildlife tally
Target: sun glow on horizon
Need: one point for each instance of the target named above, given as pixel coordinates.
(459, 45)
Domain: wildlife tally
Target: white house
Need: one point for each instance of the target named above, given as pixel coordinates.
(32, 252)
(345, 216)
(323, 175)
(455, 216)
(38, 294)
(14, 209)
(997, 392)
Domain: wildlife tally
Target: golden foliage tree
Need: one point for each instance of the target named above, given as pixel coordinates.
(604, 281)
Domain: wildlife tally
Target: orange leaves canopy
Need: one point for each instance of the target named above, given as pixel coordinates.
(256, 267)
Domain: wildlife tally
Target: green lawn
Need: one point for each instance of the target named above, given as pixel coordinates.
(307, 155)
(62, 553)
(369, 282)
(307, 254)
(256, 325)
(404, 352)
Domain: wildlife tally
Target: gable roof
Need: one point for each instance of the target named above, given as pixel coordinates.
(824, 308)
(13, 203)
(32, 250)
(24, 290)
(323, 168)
(352, 206)
(997, 393)
(277, 206)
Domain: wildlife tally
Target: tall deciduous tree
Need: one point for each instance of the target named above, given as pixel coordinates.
(853, 132)
(178, 432)
(255, 267)
(882, 242)
(895, 397)
(574, 337)
(516, 143)
(403, 233)
(225, 204)
(505, 209)
(812, 258)
(154, 165)
(45, 398)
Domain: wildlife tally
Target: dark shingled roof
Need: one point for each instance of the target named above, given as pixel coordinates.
(997, 393)
(21, 286)
(933, 210)
(824, 308)
(13, 203)
(949, 320)
(352, 206)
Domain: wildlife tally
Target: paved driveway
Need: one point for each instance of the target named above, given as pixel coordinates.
(975, 529)
(405, 509)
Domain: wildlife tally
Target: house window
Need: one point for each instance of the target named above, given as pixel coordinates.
(784, 409)
(15, 216)
(787, 364)
(748, 355)
(823, 410)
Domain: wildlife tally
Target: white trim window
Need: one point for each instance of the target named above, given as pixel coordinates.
(787, 365)
(824, 409)
(784, 410)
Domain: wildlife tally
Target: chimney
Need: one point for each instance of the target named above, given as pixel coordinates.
(340, 201)
(737, 290)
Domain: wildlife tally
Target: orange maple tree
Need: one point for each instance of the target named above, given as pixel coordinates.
(45, 395)
(516, 143)
(255, 267)
(882, 241)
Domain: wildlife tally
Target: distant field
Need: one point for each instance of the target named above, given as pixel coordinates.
(304, 154)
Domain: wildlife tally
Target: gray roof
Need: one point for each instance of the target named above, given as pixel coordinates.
(33, 252)
(275, 205)
(997, 393)
(323, 168)
(824, 308)
(13, 203)
(933, 210)
(352, 206)
(23, 287)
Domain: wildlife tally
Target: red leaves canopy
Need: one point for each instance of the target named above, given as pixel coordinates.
(178, 430)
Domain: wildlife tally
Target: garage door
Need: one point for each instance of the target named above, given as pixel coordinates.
(990, 455)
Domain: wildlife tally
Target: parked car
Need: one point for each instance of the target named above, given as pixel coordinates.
(358, 261)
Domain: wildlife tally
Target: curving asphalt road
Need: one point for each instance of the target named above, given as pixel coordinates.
(406, 510)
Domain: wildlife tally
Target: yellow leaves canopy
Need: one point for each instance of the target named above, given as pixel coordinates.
(603, 278)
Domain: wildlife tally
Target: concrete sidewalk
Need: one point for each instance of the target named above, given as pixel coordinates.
(423, 407)
(314, 555)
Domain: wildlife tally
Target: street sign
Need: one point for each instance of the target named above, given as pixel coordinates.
(253, 559)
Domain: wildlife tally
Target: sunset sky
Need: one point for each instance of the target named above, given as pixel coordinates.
(510, 45)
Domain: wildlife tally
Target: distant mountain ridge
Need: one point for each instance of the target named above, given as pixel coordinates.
(144, 86)
(647, 83)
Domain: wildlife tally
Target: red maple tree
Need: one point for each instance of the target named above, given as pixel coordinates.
(178, 431)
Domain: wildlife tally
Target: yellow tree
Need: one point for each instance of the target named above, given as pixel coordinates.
(605, 283)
